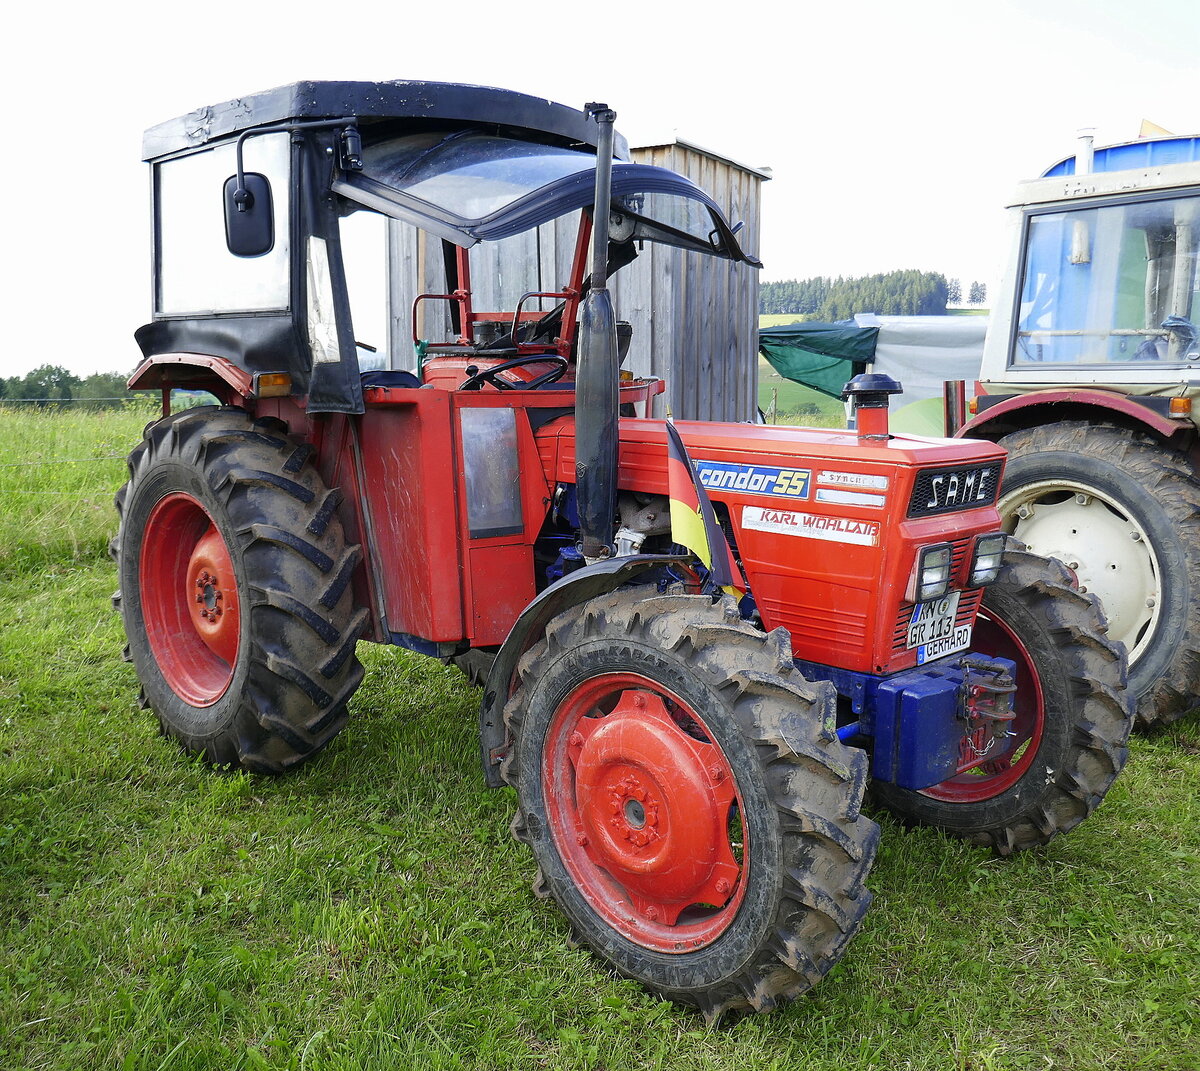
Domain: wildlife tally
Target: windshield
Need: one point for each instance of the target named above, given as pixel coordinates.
(472, 186)
(1111, 284)
(469, 175)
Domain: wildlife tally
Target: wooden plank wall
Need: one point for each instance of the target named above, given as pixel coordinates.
(694, 318)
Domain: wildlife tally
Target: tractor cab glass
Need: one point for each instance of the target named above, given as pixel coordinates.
(513, 218)
(494, 232)
(469, 186)
(1113, 284)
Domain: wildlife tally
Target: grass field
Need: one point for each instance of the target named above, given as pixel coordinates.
(370, 910)
(786, 402)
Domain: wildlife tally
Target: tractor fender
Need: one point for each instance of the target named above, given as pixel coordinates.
(198, 371)
(573, 589)
(1088, 404)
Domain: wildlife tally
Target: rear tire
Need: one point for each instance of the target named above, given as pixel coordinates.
(687, 801)
(235, 590)
(1073, 716)
(1124, 514)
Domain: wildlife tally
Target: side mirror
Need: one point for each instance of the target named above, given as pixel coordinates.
(249, 217)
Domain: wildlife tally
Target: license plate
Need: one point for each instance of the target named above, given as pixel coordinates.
(933, 631)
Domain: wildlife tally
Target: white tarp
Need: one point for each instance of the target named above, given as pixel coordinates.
(924, 351)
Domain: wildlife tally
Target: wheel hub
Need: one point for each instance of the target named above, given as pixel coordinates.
(651, 808)
(213, 613)
(1101, 543)
(189, 599)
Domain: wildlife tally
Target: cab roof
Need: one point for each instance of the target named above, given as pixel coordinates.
(423, 103)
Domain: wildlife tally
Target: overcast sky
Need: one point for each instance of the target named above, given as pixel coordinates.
(895, 131)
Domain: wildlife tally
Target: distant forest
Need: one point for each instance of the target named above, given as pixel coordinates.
(896, 293)
(51, 384)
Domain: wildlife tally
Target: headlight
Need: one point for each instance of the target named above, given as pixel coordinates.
(932, 579)
(985, 562)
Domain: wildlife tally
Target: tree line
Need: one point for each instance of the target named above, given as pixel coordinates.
(51, 384)
(895, 293)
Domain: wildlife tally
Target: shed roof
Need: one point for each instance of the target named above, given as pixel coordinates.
(763, 173)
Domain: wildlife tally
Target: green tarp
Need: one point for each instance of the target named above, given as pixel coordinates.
(822, 356)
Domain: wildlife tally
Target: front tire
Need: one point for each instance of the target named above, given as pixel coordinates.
(1073, 716)
(1124, 514)
(235, 590)
(689, 806)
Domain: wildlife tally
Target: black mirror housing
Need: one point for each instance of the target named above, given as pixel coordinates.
(249, 216)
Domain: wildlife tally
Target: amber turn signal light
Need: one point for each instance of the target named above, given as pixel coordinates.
(272, 384)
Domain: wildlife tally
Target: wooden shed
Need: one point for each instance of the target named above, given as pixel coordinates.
(694, 318)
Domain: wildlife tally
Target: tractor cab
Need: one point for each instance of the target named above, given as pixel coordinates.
(285, 221)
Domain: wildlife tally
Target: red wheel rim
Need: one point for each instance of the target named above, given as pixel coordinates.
(189, 599)
(1004, 768)
(645, 812)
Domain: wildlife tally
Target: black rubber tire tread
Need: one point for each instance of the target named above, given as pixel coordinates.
(1161, 490)
(296, 666)
(780, 738)
(1088, 715)
(475, 665)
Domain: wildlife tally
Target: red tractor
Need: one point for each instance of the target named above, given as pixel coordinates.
(689, 764)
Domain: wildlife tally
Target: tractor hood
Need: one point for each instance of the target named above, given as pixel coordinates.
(470, 186)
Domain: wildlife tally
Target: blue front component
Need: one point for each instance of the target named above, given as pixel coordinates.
(917, 727)
(916, 720)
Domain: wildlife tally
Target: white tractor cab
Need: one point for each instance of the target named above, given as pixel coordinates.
(1090, 377)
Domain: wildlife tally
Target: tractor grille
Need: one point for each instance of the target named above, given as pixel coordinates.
(962, 487)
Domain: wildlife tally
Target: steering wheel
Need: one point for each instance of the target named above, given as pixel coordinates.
(476, 379)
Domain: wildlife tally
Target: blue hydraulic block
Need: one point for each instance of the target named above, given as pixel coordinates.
(914, 721)
(918, 727)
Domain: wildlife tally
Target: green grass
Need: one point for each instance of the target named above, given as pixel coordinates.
(786, 402)
(370, 910)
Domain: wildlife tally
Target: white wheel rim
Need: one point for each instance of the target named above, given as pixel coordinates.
(1097, 538)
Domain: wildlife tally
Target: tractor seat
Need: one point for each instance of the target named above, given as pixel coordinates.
(383, 377)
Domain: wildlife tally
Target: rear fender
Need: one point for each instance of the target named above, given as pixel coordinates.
(572, 590)
(193, 371)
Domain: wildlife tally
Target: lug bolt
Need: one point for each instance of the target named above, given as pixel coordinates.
(652, 913)
(639, 700)
(717, 773)
(581, 839)
(576, 740)
(722, 886)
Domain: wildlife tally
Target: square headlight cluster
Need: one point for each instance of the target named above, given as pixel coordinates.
(985, 562)
(935, 563)
(933, 572)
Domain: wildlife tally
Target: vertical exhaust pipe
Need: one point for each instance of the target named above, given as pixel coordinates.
(1085, 153)
(868, 394)
(598, 374)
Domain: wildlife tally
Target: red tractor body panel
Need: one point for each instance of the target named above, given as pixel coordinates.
(817, 561)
